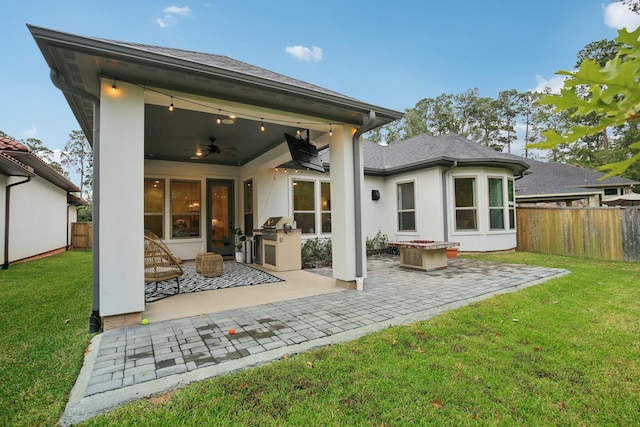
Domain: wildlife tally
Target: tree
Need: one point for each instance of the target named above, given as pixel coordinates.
(78, 153)
(614, 99)
(507, 109)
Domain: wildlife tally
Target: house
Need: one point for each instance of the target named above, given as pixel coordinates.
(561, 184)
(38, 204)
(439, 188)
(188, 144)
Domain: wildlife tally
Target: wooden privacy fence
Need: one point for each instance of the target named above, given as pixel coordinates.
(603, 233)
(81, 235)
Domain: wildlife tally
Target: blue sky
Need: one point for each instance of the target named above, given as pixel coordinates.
(390, 54)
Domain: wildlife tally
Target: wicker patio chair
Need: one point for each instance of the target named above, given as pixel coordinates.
(159, 263)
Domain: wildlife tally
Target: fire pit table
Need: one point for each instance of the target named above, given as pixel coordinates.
(423, 254)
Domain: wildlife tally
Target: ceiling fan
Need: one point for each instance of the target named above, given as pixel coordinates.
(212, 148)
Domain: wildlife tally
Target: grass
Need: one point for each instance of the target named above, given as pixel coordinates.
(44, 311)
(562, 353)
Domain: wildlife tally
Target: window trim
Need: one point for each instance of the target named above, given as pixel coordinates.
(474, 209)
(163, 181)
(317, 200)
(171, 213)
(503, 208)
(415, 205)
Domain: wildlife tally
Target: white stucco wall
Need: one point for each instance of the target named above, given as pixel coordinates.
(120, 221)
(38, 218)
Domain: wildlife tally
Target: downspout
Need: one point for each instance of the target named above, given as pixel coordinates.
(445, 212)
(95, 323)
(357, 164)
(7, 204)
(67, 247)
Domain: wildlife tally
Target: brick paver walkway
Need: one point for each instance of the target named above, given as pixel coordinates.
(141, 360)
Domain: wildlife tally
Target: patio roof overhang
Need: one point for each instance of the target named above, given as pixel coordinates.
(203, 85)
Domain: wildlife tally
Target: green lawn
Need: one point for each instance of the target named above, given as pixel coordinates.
(44, 316)
(562, 353)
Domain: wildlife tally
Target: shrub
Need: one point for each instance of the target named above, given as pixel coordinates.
(316, 253)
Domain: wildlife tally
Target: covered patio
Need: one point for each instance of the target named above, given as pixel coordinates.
(188, 145)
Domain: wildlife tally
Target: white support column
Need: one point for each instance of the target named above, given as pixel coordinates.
(121, 217)
(343, 221)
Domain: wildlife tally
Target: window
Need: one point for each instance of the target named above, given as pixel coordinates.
(406, 207)
(496, 204)
(325, 206)
(465, 195)
(307, 210)
(154, 206)
(185, 209)
(304, 205)
(248, 207)
(610, 191)
(512, 204)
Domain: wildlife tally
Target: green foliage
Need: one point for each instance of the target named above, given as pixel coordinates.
(377, 243)
(613, 99)
(79, 154)
(316, 253)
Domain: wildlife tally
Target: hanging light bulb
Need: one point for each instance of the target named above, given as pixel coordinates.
(330, 130)
(218, 119)
(171, 106)
(262, 128)
(113, 87)
(298, 130)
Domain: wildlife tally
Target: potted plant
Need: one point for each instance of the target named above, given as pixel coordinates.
(240, 239)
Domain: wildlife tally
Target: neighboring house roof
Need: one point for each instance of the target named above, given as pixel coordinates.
(17, 159)
(559, 179)
(425, 151)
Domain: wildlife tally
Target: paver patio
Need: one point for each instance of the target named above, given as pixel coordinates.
(130, 363)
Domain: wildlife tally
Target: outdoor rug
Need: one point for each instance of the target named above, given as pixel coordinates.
(235, 274)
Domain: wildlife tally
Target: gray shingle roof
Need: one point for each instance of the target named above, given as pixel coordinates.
(560, 178)
(425, 151)
(228, 64)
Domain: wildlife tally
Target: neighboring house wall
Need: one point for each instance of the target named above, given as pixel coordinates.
(37, 218)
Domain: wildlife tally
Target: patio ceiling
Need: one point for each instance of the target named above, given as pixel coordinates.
(217, 81)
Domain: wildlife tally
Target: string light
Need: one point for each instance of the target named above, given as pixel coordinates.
(171, 107)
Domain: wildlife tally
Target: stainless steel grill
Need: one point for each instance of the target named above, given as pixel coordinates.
(273, 224)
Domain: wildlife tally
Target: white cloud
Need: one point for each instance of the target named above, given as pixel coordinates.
(303, 53)
(31, 133)
(170, 15)
(175, 10)
(617, 15)
(555, 83)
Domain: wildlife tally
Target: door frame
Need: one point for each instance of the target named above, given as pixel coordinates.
(225, 251)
